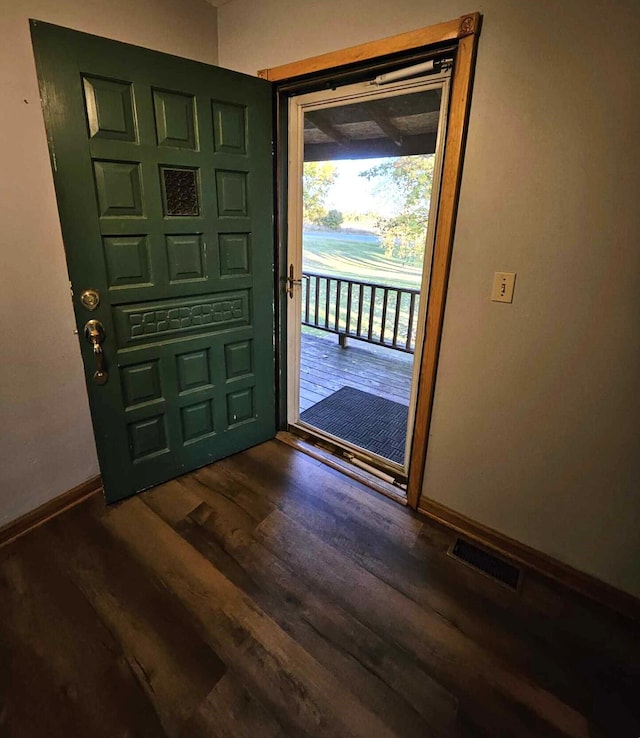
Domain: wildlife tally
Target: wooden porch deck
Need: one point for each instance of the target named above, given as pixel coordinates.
(325, 367)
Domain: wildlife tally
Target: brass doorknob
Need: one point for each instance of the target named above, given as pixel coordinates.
(94, 333)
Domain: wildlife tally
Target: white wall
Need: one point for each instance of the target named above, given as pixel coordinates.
(46, 441)
(536, 427)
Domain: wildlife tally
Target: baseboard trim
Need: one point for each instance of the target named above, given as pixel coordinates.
(586, 584)
(49, 510)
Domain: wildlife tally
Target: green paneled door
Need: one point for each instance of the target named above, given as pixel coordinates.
(163, 170)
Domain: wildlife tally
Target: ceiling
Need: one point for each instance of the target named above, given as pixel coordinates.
(392, 126)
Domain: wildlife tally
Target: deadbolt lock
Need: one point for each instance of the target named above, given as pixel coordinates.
(90, 299)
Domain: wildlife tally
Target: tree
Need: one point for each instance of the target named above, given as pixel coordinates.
(407, 181)
(317, 179)
(333, 220)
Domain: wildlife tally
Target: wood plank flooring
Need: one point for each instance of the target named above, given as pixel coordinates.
(268, 596)
(325, 367)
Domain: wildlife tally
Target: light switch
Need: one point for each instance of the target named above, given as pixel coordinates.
(503, 284)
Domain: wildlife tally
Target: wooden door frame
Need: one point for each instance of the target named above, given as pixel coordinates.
(463, 34)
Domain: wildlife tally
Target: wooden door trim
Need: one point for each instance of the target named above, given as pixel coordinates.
(466, 25)
(445, 228)
(463, 32)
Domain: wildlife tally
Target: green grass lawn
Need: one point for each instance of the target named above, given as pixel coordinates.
(355, 256)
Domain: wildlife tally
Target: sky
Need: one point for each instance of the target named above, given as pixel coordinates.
(352, 193)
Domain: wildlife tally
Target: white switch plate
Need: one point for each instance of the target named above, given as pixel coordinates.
(503, 284)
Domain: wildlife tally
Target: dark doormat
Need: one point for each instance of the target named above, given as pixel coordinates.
(373, 423)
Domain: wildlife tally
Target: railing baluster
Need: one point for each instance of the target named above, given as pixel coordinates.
(338, 290)
(307, 298)
(396, 320)
(316, 305)
(349, 297)
(385, 301)
(327, 303)
(372, 308)
(360, 306)
(412, 308)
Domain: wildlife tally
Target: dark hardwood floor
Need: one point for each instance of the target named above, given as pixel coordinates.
(268, 596)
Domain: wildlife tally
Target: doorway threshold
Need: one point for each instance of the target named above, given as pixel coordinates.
(349, 468)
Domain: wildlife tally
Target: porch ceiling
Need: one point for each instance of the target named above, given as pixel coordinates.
(392, 126)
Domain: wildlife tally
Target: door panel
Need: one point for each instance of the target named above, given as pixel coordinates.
(163, 174)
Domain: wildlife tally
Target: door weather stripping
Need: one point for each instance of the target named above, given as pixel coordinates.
(373, 470)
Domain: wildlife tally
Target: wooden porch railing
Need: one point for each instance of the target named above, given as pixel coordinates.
(371, 312)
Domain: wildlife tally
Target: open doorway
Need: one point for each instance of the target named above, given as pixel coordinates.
(455, 40)
(364, 173)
